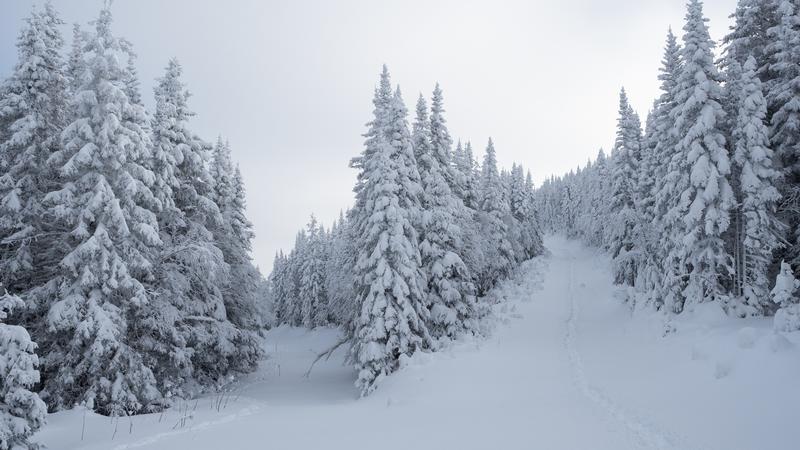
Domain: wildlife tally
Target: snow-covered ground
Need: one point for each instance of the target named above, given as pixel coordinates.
(566, 367)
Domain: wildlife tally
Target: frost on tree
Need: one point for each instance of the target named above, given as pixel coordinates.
(449, 287)
(625, 160)
(32, 110)
(749, 35)
(339, 276)
(21, 411)
(186, 334)
(494, 213)
(784, 103)
(667, 275)
(106, 204)
(784, 294)
(313, 297)
(392, 312)
(705, 194)
(757, 228)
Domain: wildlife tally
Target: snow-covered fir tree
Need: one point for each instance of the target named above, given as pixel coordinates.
(33, 107)
(448, 284)
(312, 293)
(339, 276)
(392, 311)
(705, 193)
(495, 210)
(233, 235)
(785, 295)
(749, 35)
(783, 99)
(625, 160)
(758, 230)
(22, 412)
(109, 210)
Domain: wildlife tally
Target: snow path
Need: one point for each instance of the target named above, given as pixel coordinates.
(645, 435)
(566, 367)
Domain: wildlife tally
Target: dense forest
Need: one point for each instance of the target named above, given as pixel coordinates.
(124, 248)
(702, 205)
(430, 232)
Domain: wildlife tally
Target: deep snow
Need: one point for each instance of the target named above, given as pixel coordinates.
(567, 366)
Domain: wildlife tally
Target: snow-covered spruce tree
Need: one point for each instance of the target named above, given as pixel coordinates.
(278, 282)
(313, 294)
(294, 264)
(185, 335)
(784, 103)
(75, 66)
(106, 203)
(392, 311)
(234, 237)
(22, 412)
(784, 294)
(132, 89)
(625, 161)
(758, 234)
(521, 203)
(704, 191)
(536, 245)
(471, 172)
(448, 285)
(382, 101)
(597, 202)
(441, 142)
(33, 107)
(494, 211)
(646, 235)
(749, 35)
(466, 190)
(667, 275)
(339, 281)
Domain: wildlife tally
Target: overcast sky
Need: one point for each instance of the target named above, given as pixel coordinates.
(290, 83)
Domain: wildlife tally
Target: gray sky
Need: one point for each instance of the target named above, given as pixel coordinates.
(289, 83)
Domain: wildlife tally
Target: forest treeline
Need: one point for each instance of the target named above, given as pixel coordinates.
(124, 247)
(702, 205)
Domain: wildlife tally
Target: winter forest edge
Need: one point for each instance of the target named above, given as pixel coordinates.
(127, 279)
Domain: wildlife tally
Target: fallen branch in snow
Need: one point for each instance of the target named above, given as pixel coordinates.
(326, 354)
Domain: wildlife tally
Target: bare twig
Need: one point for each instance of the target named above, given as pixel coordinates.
(326, 354)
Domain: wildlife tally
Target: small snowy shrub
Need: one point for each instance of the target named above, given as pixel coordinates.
(788, 316)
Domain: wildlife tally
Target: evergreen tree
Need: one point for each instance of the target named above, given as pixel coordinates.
(749, 35)
(441, 142)
(22, 412)
(33, 108)
(624, 173)
(450, 291)
(784, 294)
(233, 236)
(760, 229)
(278, 286)
(341, 267)
(704, 191)
(668, 278)
(497, 249)
(784, 102)
(75, 65)
(392, 312)
(185, 335)
(313, 296)
(107, 205)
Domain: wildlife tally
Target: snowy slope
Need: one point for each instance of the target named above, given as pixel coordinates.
(567, 367)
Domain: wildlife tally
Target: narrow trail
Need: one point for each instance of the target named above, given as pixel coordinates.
(643, 434)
